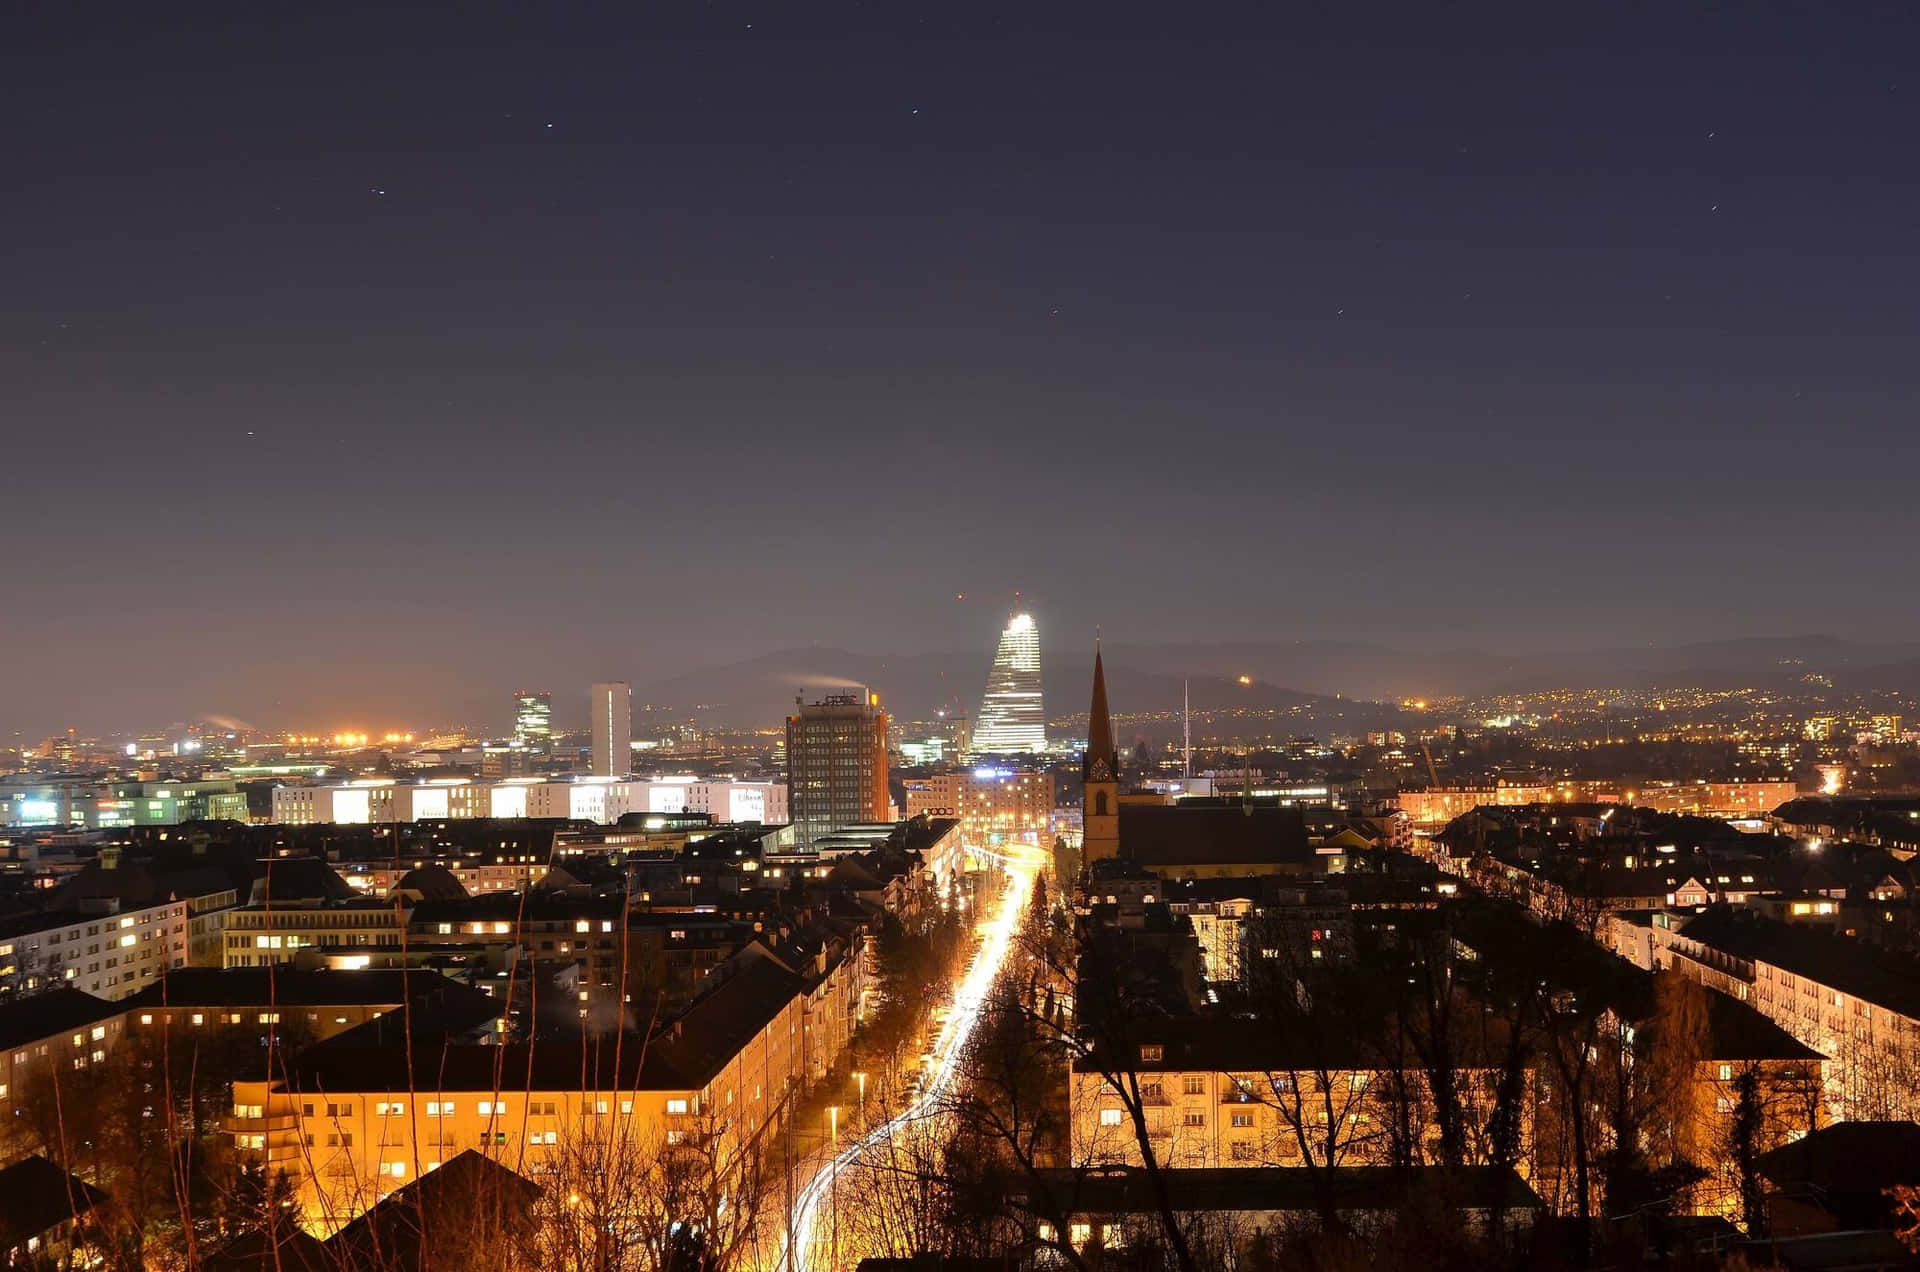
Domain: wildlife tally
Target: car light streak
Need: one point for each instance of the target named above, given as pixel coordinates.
(969, 1000)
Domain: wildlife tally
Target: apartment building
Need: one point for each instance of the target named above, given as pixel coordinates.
(48, 1034)
(110, 954)
(1855, 1005)
(356, 932)
(1219, 1092)
(348, 1124)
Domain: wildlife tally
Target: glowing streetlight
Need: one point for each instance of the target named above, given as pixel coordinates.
(833, 1118)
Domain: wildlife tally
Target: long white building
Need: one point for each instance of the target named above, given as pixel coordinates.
(596, 799)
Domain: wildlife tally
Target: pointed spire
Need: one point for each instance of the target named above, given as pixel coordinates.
(1100, 764)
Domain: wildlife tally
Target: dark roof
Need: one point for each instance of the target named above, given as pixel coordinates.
(1851, 1251)
(1851, 966)
(293, 987)
(1738, 1031)
(686, 1055)
(451, 1012)
(432, 883)
(445, 1211)
(36, 1195)
(1125, 1190)
(1229, 1044)
(40, 1016)
(714, 1029)
(290, 879)
(1177, 835)
(939, 1263)
(341, 1065)
(1858, 1157)
(290, 1250)
(917, 834)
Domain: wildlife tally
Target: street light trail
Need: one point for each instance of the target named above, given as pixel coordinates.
(969, 1000)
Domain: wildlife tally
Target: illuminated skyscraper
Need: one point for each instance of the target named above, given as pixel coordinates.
(611, 710)
(1013, 716)
(533, 718)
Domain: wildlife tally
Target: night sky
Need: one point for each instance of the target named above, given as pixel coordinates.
(365, 365)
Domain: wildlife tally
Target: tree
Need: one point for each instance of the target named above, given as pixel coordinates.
(1743, 1147)
(618, 1196)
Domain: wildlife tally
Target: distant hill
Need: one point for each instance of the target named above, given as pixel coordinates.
(1324, 681)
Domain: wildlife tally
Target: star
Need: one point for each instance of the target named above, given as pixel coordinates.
(377, 190)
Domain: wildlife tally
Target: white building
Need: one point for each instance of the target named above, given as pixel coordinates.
(106, 955)
(594, 799)
(611, 708)
(378, 800)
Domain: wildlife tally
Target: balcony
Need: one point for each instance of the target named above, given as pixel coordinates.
(260, 1125)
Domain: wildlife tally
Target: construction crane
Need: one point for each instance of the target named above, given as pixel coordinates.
(1433, 774)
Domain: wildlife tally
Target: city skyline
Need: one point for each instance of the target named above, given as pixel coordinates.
(1321, 341)
(758, 690)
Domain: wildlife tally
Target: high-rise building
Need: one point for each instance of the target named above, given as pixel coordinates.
(533, 718)
(612, 712)
(1013, 715)
(836, 765)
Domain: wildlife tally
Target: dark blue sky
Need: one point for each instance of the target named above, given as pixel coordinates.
(352, 357)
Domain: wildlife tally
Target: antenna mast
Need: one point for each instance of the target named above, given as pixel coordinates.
(1186, 737)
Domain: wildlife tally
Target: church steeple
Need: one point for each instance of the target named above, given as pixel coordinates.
(1099, 764)
(1099, 776)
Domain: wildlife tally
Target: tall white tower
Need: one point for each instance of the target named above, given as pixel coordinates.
(1013, 715)
(612, 712)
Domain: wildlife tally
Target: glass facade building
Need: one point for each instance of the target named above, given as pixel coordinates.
(533, 718)
(1013, 715)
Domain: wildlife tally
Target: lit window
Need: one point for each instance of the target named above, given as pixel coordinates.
(1109, 1117)
(677, 1107)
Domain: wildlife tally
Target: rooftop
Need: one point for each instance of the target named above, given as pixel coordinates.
(1851, 966)
(38, 1016)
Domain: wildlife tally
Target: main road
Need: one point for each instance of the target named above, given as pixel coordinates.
(812, 1205)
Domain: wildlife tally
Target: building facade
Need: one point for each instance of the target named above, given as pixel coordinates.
(109, 955)
(836, 765)
(533, 718)
(995, 805)
(611, 713)
(1013, 713)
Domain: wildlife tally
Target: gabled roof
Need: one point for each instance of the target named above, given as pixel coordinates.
(290, 1250)
(443, 1212)
(1179, 835)
(38, 1016)
(1827, 958)
(291, 987)
(1127, 1190)
(1848, 1157)
(721, 1022)
(36, 1195)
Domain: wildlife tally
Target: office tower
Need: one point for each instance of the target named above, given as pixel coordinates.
(612, 712)
(533, 718)
(1013, 717)
(836, 765)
